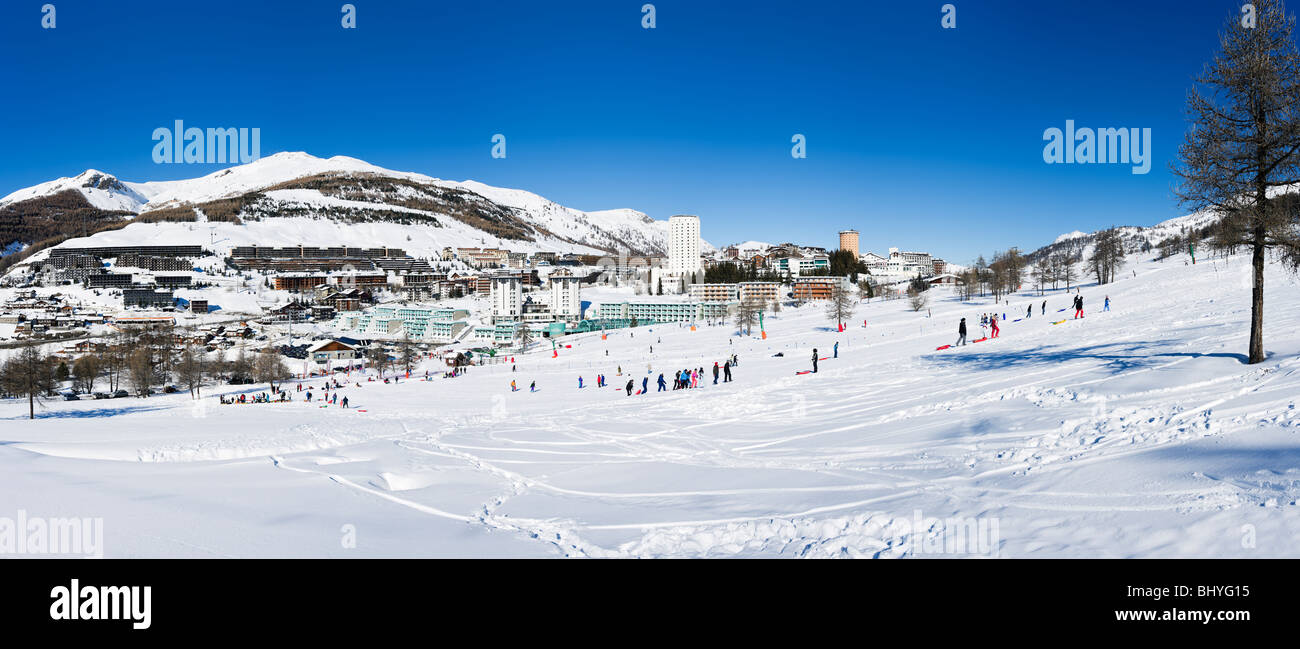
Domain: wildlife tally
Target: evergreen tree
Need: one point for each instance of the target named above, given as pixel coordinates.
(1244, 145)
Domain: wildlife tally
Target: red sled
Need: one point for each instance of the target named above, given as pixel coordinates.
(803, 372)
(942, 347)
(980, 340)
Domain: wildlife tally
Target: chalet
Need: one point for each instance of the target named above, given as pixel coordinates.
(331, 350)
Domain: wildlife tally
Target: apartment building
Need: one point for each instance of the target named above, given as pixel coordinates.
(816, 288)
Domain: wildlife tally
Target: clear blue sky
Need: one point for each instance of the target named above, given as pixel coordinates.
(919, 137)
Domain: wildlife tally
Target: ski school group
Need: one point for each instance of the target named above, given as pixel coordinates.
(682, 379)
(989, 321)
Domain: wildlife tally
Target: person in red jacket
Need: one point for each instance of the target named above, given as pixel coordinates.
(994, 323)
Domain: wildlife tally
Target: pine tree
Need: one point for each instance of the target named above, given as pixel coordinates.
(28, 373)
(1244, 144)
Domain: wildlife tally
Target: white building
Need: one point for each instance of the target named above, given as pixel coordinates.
(566, 296)
(683, 245)
(507, 298)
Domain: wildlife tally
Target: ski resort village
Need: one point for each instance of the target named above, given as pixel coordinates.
(320, 357)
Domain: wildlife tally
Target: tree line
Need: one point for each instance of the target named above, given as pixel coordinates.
(136, 360)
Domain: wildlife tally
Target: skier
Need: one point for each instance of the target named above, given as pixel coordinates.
(629, 387)
(715, 372)
(814, 360)
(993, 322)
(836, 349)
(662, 384)
(961, 333)
(1107, 306)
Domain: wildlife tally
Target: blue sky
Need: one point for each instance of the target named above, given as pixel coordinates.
(917, 136)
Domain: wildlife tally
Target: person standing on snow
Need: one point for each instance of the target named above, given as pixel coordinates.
(961, 333)
(645, 384)
(1107, 306)
(663, 385)
(532, 387)
(715, 372)
(1078, 306)
(345, 402)
(836, 350)
(1044, 307)
(629, 387)
(726, 372)
(993, 322)
(814, 360)
(1030, 313)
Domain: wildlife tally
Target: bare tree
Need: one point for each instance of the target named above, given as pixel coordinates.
(379, 359)
(140, 369)
(192, 368)
(1065, 270)
(746, 316)
(87, 369)
(1244, 142)
(917, 299)
(269, 367)
(841, 305)
(28, 373)
(1107, 253)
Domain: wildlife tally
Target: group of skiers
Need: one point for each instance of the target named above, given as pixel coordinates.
(279, 396)
(990, 321)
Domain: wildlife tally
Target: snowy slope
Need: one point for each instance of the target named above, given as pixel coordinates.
(1136, 432)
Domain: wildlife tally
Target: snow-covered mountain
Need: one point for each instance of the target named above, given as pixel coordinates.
(103, 191)
(282, 199)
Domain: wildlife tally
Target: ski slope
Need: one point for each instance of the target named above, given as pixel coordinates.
(1137, 432)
